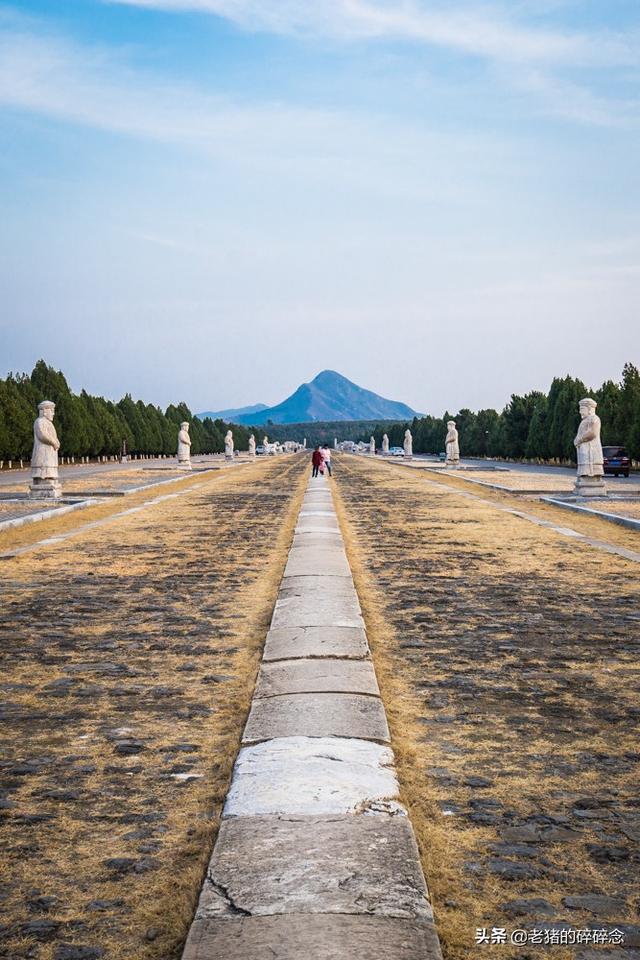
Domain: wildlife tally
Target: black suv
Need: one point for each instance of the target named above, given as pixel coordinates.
(616, 461)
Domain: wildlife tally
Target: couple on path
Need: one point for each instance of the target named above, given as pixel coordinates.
(321, 460)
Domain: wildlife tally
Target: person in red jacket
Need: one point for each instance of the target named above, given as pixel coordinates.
(317, 461)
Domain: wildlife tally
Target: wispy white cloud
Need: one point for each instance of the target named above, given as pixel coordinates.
(481, 30)
(568, 100)
(96, 87)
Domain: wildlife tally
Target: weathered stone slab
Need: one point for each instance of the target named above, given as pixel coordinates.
(312, 776)
(304, 538)
(317, 937)
(317, 522)
(316, 676)
(319, 585)
(311, 559)
(326, 641)
(317, 715)
(348, 864)
(311, 611)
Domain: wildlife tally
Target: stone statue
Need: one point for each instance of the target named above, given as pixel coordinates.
(184, 447)
(252, 446)
(372, 445)
(408, 445)
(453, 447)
(228, 445)
(45, 484)
(265, 442)
(385, 445)
(590, 479)
(335, 443)
(304, 443)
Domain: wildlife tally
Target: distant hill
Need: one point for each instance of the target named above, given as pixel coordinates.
(329, 397)
(233, 413)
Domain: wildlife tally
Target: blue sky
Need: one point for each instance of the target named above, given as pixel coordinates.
(212, 200)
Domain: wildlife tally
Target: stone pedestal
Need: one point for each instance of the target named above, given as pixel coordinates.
(452, 464)
(184, 465)
(590, 487)
(45, 489)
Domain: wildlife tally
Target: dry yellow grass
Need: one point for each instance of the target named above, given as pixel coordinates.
(628, 509)
(508, 653)
(130, 654)
(585, 524)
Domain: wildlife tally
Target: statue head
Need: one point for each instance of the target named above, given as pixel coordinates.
(185, 426)
(407, 434)
(47, 409)
(587, 407)
(451, 424)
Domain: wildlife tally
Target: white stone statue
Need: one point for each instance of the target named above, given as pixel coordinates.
(452, 445)
(408, 445)
(335, 443)
(252, 446)
(590, 479)
(265, 442)
(44, 458)
(228, 445)
(304, 443)
(184, 447)
(372, 445)
(385, 444)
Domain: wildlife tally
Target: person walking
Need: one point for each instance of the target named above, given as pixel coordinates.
(316, 460)
(326, 456)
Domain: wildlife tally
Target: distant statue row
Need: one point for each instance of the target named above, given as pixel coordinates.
(45, 483)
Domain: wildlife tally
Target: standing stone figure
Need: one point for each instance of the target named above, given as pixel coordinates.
(385, 445)
(228, 445)
(408, 445)
(590, 479)
(453, 447)
(252, 446)
(335, 443)
(184, 447)
(372, 445)
(304, 443)
(45, 484)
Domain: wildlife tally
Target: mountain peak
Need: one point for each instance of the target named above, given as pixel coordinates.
(330, 396)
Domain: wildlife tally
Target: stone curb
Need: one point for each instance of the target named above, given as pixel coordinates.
(316, 855)
(611, 517)
(45, 514)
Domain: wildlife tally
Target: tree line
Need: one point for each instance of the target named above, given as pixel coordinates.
(89, 426)
(536, 426)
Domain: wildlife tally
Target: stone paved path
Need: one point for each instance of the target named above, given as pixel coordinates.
(316, 856)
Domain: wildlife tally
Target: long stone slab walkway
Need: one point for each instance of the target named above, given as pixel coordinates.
(316, 856)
